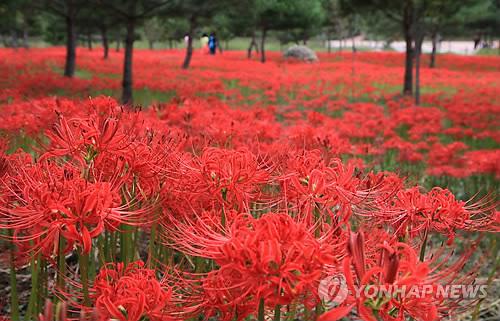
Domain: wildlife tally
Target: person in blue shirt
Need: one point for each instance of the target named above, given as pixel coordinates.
(212, 43)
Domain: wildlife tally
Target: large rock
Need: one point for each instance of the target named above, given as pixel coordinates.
(301, 53)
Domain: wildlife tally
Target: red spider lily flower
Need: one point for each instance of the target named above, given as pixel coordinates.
(111, 144)
(233, 178)
(131, 293)
(396, 267)
(272, 258)
(215, 295)
(308, 185)
(86, 137)
(52, 201)
(412, 213)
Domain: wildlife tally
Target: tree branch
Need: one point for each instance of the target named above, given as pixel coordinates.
(147, 11)
(112, 7)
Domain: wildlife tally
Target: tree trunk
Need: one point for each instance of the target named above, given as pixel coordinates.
(170, 44)
(15, 42)
(432, 63)
(69, 68)
(26, 44)
(250, 47)
(151, 44)
(89, 41)
(189, 48)
(407, 30)
(262, 46)
(328, 42)
(353, 45)
(118, 41)
(105, 43)
(418, 51)
(127, 97)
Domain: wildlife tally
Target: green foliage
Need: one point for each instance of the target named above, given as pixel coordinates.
(153, 30)
(480, 16)
(288, 14)
(18, 20)
(174, 28)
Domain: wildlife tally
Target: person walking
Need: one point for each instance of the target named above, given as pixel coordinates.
(212, 43)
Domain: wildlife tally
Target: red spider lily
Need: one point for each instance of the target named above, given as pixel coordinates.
(220, 179)
(309, 185)
(131, 293)
(412, 213)
(397, 266)
(272, 258)
(214, 295)
(111, 144)
(231, 177)
(51, 201)
(86, 138)
(272, 144)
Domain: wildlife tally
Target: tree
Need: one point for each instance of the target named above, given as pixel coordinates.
(377, 26)
(174, 29)
(402, 12)
(222, 23)
(282, 15)
(441, 15)
(131, 13)
(429, 18)
(68, 10)
(153, 31)
(241, 19)
(481, 17)
(16, 20)
(197, 13)
(95, 21)
(333, 20)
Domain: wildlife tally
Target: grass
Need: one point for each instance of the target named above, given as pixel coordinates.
(236, 43)
(79, 73)
(488, 52)
(142, 97)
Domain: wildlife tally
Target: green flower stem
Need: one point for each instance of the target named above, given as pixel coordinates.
(61, 262)
(277, 312)
(424, 245)
(260, 315)
(31, 312)
(126, 244)
(84, 277)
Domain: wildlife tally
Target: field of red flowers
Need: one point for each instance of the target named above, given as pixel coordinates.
(236, 190)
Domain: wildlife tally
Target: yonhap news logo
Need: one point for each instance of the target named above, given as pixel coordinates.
(333, 291)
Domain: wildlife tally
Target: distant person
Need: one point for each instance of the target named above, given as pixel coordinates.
(186, 39)
(204, 43)
(212, 43)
